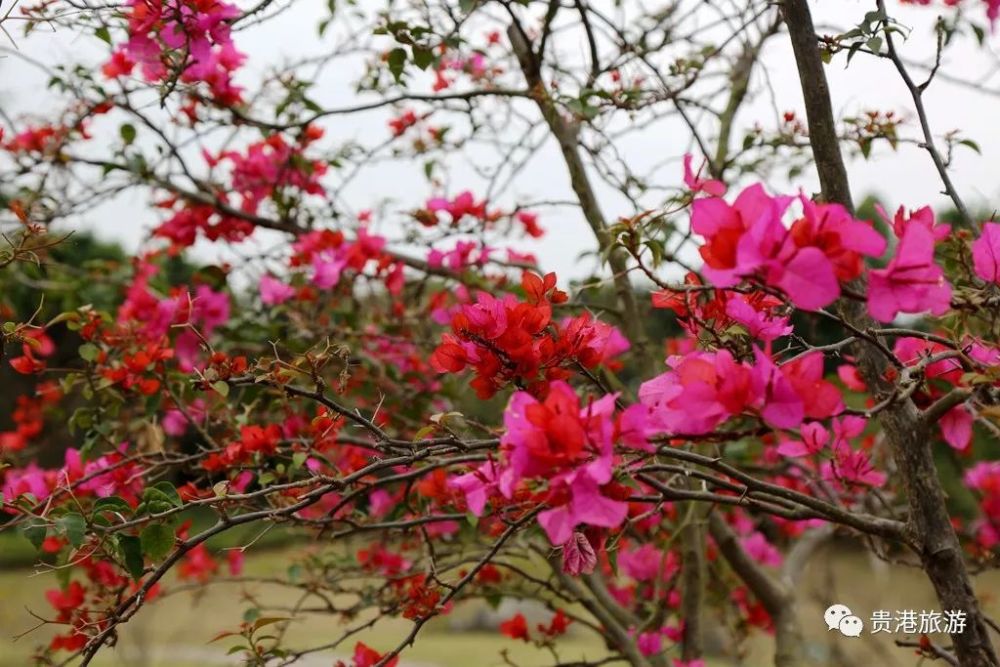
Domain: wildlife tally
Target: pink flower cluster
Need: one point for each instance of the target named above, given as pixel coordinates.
(747, 239)
(568, 445)
(189, 37)
(275, 164)
(911, 282)
(703, 389)
(464, 205)
(207, 309)
(992, 7)
(122, 478)
(465, 254)
(328, 254)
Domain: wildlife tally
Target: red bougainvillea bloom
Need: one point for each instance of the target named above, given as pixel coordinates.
(509, 341)
(516, 627)
(557, 626)
(365, 656)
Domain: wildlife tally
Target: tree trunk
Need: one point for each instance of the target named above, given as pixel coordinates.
(905, 429)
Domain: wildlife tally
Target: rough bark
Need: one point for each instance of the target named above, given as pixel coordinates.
(778, 599)
(906, 431)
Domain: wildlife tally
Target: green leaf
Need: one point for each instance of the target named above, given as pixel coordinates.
(221, 387)
(396, 62)
(157, 540)
(971, 144)
(112, 504)
(89, 351)
(131, 549)
(35, 532)
(167, 489)
(422, 57)
(103, 34)
(127, 131)
(874, 44)
(268, 620)
(73, 526)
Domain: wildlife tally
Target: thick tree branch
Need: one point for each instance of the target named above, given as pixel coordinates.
(906, 432)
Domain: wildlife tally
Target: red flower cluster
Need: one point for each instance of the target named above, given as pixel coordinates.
(191, 220)
(253, 440)
(27, 417)
(509, 341)
(365, 656)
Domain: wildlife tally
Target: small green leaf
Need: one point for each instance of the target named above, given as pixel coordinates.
(127, 131)
(112, 504)
(131, 549)
(221, 387)
(103, 34)
(396, 62)
(971, 144)
(89, 351)
(35, 532)
(268, 620)
(167, 489)
(73, 526)
(157, 540)
(422, 57)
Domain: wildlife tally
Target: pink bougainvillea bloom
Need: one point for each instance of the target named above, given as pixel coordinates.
(807, 262)
(729, 251)
(986, 253)
(956, 427)
(696, 183)
(762, 551)
(701, 390)
(813, 439)
(555, 435)
(477, 486)
(912, 282)
(648, 563)
(273, 291)
(820, 399)
(922, 216)
(782, 406)
(587, 506)
(649, 643)
(760, 323)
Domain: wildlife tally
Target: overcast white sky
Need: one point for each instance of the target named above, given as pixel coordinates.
(906, 177)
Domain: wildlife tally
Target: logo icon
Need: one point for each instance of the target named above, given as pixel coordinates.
(840, 617)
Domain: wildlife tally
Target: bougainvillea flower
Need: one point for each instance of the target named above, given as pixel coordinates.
(986, 253)
(696, 183)
(912, 282)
